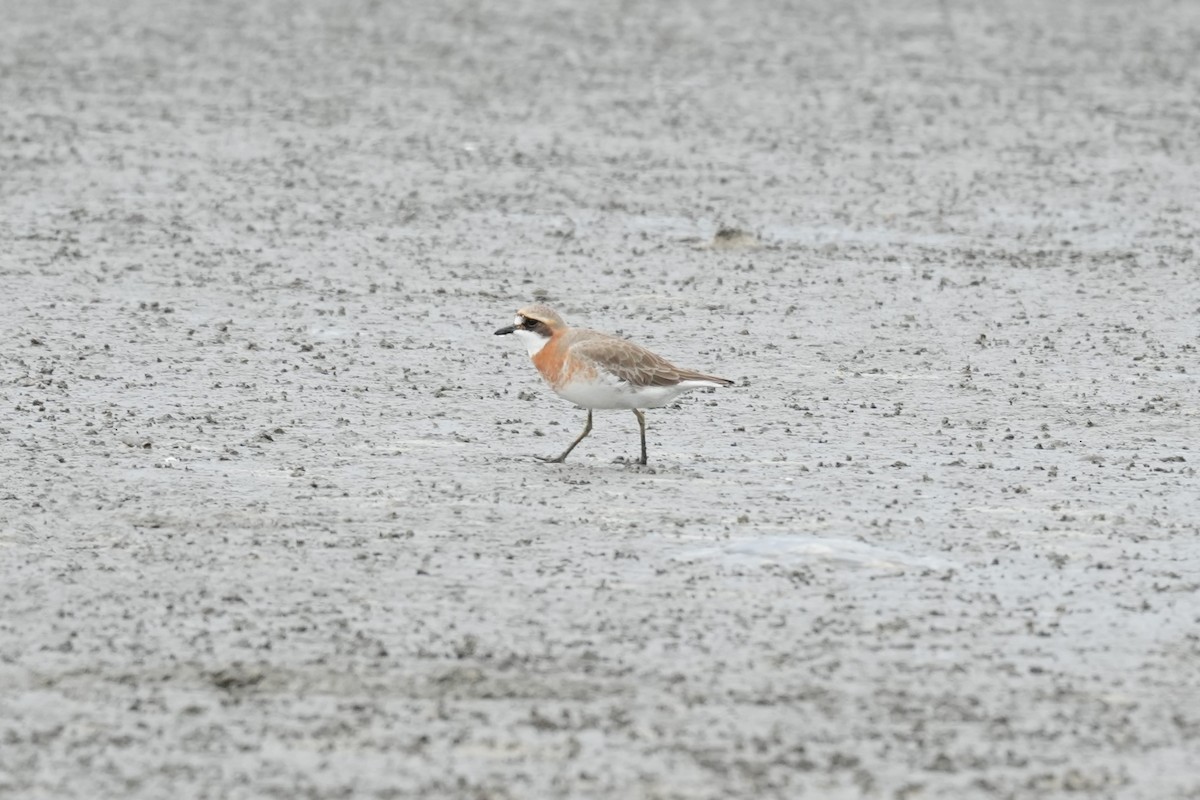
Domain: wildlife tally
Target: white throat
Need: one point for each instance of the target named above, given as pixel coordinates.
(533, 341)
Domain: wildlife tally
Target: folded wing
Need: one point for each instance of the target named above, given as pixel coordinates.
(633, 364)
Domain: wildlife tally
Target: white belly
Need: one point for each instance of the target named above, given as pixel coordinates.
(614, 394)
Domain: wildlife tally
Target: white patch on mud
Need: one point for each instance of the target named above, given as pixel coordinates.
(794, 551)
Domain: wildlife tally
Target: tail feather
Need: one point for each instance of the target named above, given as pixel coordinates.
(687, 376)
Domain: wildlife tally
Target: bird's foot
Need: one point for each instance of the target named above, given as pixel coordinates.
(630, 462)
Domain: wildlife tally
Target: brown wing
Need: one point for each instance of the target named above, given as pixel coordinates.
(632, 363)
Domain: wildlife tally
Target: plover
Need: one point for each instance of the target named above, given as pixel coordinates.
(594, 370)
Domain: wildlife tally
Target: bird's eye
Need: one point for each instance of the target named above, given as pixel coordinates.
(529, 323)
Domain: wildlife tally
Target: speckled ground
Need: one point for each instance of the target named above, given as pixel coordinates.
(270, 521)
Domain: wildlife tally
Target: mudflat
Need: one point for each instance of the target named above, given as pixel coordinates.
(271, 523)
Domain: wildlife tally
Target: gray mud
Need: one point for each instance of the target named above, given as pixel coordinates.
(270, 521)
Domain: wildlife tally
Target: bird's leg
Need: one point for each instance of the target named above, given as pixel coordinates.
(642, 424)
(586, 430)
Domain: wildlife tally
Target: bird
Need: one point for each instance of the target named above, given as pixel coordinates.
(596, 371)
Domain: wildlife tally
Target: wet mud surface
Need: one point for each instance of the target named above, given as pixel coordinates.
(270, 521)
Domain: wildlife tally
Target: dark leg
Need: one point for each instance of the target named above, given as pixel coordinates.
(642, 424)
(586, 430)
